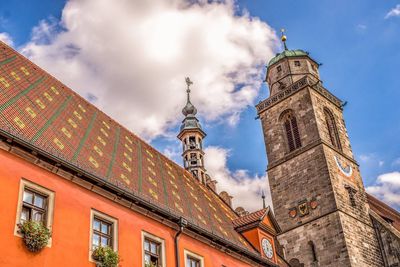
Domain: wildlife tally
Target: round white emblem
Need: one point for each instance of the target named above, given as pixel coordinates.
(267, 248)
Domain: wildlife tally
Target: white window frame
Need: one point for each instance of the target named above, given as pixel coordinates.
(157, 239)
(24, 183)
(187, 253)
(114, 221)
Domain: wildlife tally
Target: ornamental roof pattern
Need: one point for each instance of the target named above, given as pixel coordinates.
(256, 216)
(40, 110)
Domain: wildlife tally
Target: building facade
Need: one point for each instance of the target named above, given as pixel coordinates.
(67, 166)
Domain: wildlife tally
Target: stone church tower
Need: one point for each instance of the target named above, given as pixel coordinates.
(317, 191)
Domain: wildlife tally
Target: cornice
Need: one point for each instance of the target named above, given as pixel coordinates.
(292, 89)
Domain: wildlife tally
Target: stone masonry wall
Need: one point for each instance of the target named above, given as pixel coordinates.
(303, 178)
(274, 133)
(326, 234)
(319, 103)
(362, 242)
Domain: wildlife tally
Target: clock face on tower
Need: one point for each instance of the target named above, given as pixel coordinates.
(267, 248)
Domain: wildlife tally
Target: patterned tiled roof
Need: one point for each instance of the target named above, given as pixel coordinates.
(41, 111)
(256, 216)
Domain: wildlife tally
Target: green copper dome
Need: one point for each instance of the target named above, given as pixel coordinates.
(287, 53)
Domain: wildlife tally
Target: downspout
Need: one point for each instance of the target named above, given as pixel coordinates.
(182, 224)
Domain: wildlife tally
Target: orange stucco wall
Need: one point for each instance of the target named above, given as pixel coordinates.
(71, 224)
(255, 236)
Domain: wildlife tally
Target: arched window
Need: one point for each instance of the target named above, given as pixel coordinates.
(291, 129)
(332, 130)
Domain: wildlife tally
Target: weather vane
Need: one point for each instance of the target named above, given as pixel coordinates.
(283, 38)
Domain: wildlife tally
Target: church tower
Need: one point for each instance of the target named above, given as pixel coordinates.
(317, 192)
(191, 136)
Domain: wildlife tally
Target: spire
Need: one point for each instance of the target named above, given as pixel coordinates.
(188, 83)
(263, 198)
(189, 109)
(283, 38)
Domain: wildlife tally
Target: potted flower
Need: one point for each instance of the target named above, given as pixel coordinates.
(105, 257)
(34, 235)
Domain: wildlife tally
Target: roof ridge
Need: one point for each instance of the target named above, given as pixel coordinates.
(383, 205)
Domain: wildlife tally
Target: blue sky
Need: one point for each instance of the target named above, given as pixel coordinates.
(358, 45)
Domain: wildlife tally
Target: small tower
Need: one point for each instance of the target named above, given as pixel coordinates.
(192, 136)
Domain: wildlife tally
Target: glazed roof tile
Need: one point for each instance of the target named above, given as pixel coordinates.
(256, 216)
(40, 110)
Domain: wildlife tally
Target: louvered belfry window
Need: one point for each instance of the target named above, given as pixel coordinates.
(292, 130)
(332, 130)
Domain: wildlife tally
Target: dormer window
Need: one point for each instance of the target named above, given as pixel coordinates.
(297, 63)
(279, 68)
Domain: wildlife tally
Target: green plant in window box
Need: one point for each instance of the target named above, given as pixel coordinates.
(149, 264)
(34, 234)
(105, 257)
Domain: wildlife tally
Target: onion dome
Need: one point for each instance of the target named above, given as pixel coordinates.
(189, 109)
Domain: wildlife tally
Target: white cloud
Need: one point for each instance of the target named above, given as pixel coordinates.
(173, 151)
(387, 188)
(5, 37)
(130, 58)
(361, 27)
(371, 159)
(394, 12)
(365, 158)
(245, 189)
(396, 162)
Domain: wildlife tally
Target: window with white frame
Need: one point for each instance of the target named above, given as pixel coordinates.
(103, 231)
(34, 206)
(35, 203)
(193, 260)
(153, 250)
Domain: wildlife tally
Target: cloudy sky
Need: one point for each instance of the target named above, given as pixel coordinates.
(130, 58)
